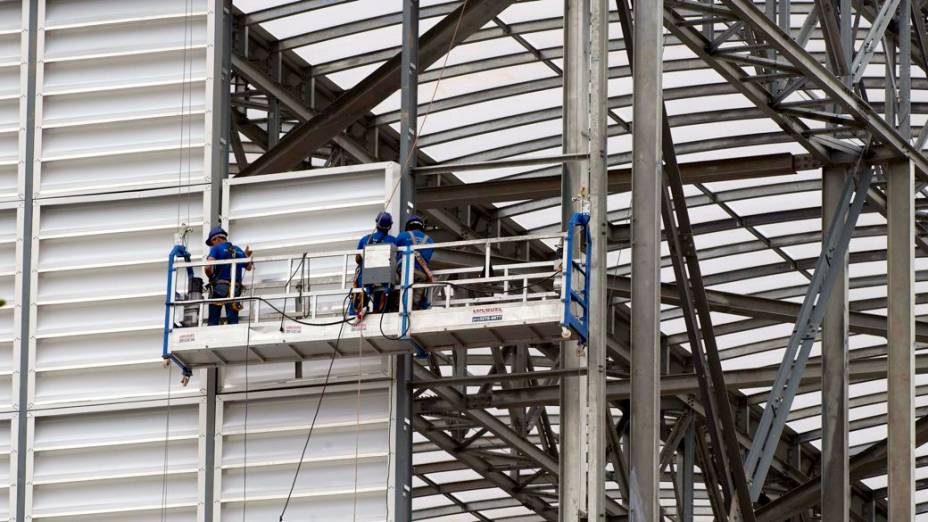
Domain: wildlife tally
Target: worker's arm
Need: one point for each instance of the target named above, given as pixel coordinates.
(248, 253)
(208, 268)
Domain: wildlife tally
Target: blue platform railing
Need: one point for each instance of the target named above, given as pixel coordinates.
(177, 251)
(579, 296)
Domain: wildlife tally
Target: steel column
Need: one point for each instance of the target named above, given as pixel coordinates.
(574, 189)
(900, 340)
(835, 480)
(409, 103)
(599, 306)
(645, 317)
(402, 478)
(29, 50)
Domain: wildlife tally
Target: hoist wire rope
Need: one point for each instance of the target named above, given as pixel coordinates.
(188, 10)
(428, 109)
(357, 429)
(312, 424)
(252, 312)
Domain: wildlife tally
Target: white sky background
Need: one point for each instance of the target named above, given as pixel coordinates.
(472, 148)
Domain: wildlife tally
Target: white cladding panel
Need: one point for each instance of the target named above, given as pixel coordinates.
(122, 95)
(122, 118)
(9, 255)
(11, 90)
(345, 473)
(99, 291)
(7, 464)
(319, 210)
(110, 465)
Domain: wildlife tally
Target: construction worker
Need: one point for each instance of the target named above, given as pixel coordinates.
(220, 276)
(414, 234)
(376, 296)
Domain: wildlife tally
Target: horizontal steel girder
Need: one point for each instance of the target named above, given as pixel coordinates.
(671, 385)
(619, 181)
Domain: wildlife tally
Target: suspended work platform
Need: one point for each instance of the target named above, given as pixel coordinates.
(295, 307)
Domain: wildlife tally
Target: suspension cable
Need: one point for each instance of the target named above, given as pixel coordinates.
(312, 425)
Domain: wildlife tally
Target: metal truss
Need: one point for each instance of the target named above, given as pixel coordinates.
(504, 432)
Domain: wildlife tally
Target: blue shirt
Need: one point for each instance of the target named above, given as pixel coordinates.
(378, 237)
(222, 251)
(405, 239)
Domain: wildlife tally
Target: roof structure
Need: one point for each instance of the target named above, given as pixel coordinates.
(765, 102)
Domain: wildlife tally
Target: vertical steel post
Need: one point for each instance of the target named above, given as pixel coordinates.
(221, 116)
(29, 63)
(900, 222)
(835, 478)
(599, 224)
(273, 104)
(402, 478)
(409, 100)
(574, 190)
(646, 243)
(687, 471)
(900, 340)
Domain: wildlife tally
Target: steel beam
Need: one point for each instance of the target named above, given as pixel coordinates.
(289, 9)
(293, 104)
(474, 462)
(619, 180)
(307, 137)
(868, 463)
(812, 311)
(671, 385)
(645, 320)
(812, 69)
(835, 479)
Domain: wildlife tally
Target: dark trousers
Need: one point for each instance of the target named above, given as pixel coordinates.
(220, 291)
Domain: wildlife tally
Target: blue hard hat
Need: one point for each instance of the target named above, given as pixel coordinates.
(215, 232)
(384, 221)
(415, 221)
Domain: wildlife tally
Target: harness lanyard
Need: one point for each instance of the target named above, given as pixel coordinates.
(419, 259)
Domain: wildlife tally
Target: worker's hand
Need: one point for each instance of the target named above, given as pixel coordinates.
(247, 251)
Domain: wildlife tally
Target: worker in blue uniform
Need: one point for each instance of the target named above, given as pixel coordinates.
(220, 276)
(375, 296)
(413, 235)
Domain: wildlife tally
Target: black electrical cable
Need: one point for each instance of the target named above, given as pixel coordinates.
(312, 425)
(289, 280)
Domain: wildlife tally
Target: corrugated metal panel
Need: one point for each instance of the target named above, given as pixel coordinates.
(11, 90)
(123, 88)
(311, 211)
(99, 292)
(344, 476)
(109, 465)
(7, 463)
(9, 278)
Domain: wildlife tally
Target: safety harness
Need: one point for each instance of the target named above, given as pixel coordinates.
(233, 292)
